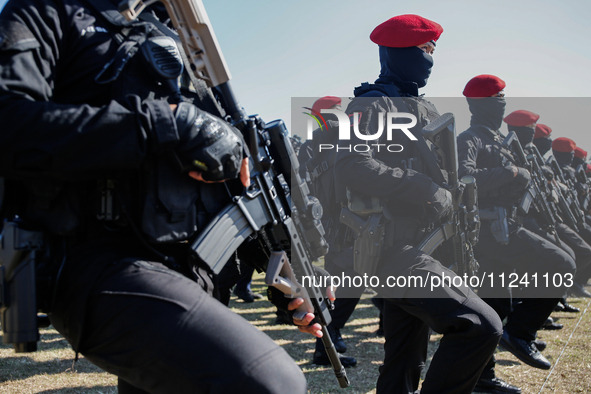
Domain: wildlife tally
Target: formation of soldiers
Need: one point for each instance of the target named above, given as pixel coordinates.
(533, 210)
(121, 161)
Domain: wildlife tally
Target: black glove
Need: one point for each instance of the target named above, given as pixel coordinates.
(513, 190)
(521, 180)
(207, 144)
(439, 204)
(548, 173)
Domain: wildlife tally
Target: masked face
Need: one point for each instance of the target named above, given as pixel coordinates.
(524, 134)
(564, 158)
(407, 64)
(577, 161)
(488, 111)
(544, 144)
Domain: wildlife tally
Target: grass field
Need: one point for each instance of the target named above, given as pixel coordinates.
(51, 371)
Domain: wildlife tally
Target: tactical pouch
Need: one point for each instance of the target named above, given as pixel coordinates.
(364, 216)
(363, 205)
(369, 239)
(169, 211)
(408, 230)
(499, 225)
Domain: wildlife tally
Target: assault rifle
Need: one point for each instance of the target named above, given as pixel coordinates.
(537, 193)
(296, 143)
(581, 177)
(276, 210)
(460, 231)
(562, 210)
(568, 192)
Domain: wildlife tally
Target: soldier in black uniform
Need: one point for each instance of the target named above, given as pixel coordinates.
(414, 201)
(317, 166)
(543, 142)
(542, 139)
(84, 118)
(580, 158)
(505, 245)
(523, 123)
(563, 150)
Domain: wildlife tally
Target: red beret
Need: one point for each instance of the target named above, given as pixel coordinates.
(521, 118)
(325, 103)
(580, 153)
(404, 31)
(542, 131)
(563, 144)
(588, 168)
(484, 85)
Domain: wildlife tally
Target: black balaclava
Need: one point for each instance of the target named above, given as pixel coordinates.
(525, 134)
(564, 158)
(577, 161)
(544, 144)
(487, 111)
(409, 64)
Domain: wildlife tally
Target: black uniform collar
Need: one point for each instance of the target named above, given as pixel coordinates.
(407, 88)
(109, 10)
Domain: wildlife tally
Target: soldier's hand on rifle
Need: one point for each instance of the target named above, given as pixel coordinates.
(548, 173)
(208, 147)
(305, 325)
(244, 174)
(521, 177)
(439, 203)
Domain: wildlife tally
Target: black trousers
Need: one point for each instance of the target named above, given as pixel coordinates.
(572, 243)
(337, 263)
(235, 273)
(528, 253)
(159, 331)
(583, 271)
(470, 328)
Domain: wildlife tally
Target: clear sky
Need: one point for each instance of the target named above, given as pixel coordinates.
(279, 49)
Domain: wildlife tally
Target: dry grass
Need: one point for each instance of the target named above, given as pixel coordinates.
(570, 346)
(49, 371)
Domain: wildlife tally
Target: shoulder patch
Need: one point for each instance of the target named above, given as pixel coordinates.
(15, 36)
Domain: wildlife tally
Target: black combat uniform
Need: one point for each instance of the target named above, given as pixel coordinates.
(470, 328)
(570, 241)
(565, 161)
(318, 167)
(480, 154)
(81, 113)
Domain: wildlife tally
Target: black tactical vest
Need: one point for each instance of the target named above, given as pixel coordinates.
(166, 205)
